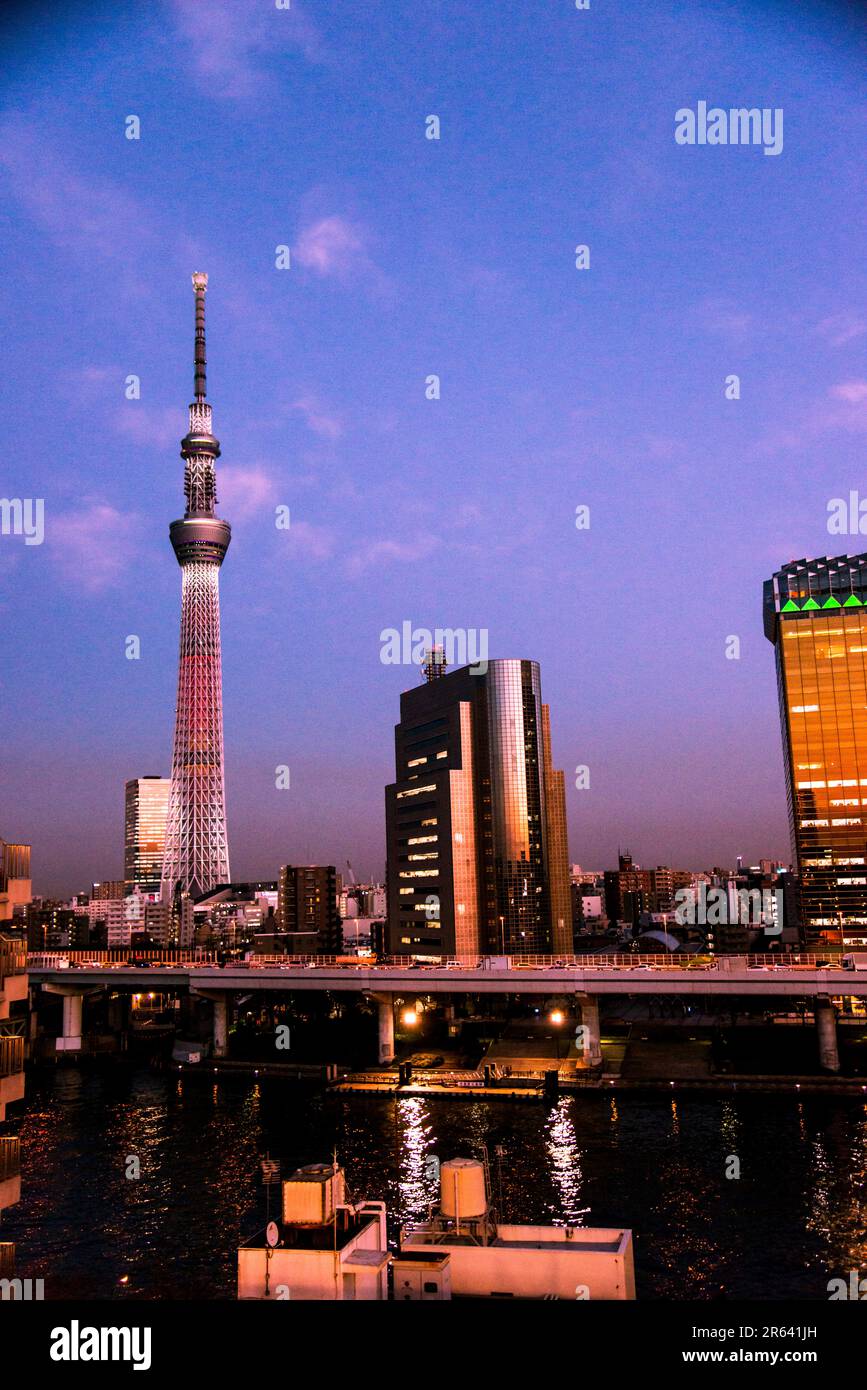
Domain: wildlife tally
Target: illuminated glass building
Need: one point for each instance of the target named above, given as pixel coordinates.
(147, 804)
(476, 819)
(815, 613)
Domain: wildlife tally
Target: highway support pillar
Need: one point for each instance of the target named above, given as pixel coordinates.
(221, 1023)
(826, 1030)
(73, 1015)
(385, 1004)
(220, 1018)
(592, 1049)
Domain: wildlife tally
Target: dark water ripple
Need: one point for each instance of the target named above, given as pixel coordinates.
(794, 1218)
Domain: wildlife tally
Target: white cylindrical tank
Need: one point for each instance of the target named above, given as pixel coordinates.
(462, 1189)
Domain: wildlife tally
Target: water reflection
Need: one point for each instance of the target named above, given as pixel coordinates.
(564, 1157)
(836, 1210)
(655, 1164)
(417, 1182)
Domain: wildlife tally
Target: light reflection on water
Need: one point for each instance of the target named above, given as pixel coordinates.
(658, 1164)
(564, 1158)
(416, 1185)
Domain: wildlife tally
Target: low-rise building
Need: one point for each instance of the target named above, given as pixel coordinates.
(324, 1247)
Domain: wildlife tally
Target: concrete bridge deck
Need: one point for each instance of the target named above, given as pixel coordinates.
(741, 975)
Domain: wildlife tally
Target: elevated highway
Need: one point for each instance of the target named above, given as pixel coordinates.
(743, 975)
(585, 978)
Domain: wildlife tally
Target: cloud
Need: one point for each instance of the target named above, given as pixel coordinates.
(730, 322)
(850, 415)
(664, 447)
(333, 246)
(159, 426)
(379, 553)
(244, 491)
(317, 419)
(311, 542)
(91, 216)
(86, 385)
(230, 43)
(852, 391)
(94, 546)
(844, 409)
(840, 329)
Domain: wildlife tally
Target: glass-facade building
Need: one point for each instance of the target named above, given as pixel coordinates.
(815, 613)
(476, 819)
(146, 808)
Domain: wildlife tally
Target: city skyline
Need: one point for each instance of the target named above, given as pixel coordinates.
(559, 388)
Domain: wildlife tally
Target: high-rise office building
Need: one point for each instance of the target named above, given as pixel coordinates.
(146, 809)
(307, 908)
(196, 855)
(815, 613)
(476, 818)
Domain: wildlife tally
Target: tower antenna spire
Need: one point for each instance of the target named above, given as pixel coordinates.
(200, 285)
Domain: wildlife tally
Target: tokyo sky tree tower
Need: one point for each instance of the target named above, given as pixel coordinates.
(196, 846)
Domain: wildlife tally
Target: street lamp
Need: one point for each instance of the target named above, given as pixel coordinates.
(557, 1017)
(409, 1018)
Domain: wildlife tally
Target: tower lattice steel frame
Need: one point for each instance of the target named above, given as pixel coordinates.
(196, 846)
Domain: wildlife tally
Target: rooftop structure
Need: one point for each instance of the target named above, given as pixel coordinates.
(325, 1247)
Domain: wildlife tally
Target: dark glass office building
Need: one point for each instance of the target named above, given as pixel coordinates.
(815, 613)
(476, 819)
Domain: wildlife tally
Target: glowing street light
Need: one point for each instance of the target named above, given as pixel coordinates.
(409, 1017)
(557, 1016)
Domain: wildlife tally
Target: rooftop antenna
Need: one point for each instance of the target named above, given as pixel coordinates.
(200, 284)
(434, 664)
